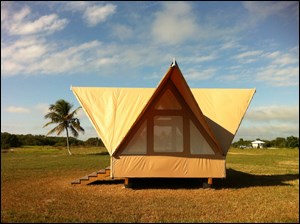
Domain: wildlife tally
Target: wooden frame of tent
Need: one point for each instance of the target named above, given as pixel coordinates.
(132, 122)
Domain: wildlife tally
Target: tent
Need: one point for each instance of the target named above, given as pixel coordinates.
(168, 131)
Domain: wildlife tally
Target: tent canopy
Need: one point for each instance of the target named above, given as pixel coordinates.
(114, 111)
(257, 142)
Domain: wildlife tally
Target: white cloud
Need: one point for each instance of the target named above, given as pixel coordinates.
(14, 109)
(269, 122)
(4, 11)
(43, 108)
(230, 77)
(248, 54)
(70, 59)
(24, 50)
(205, 58)
(200, 59)
(272, 55)
(76, 5)
(97, 14)
(106, 61)
(286, 59)
(92, 13)
(229, 45)
(267, 131)
(276, 76)
(273, 113)
(282, 70)
(19, 56)
(260, 10)
(200, 75)
(174, 24)
(32, 56)
(19, 23)
(122, 32)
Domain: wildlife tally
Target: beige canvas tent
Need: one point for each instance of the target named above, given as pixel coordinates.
(168, 131)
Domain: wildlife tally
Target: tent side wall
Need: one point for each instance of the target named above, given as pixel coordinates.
(168, 167)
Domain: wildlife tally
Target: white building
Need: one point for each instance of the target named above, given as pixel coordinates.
(257, 144)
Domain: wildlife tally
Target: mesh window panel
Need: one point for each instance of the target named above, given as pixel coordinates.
(168, 134)
(138, 144)
(198, 143)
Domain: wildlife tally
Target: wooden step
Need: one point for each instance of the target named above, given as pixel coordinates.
(84, 178)
(103, 174)
(95, 174)
(101, 171)
(76, 181)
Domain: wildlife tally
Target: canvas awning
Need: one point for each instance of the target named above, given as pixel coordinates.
(113, 111)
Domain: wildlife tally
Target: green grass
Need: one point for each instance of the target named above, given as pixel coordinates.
(262, 185)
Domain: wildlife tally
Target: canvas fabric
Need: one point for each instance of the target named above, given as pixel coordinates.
(113, 111)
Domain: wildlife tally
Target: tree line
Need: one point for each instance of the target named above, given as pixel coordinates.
(13, 140)
(279, 142)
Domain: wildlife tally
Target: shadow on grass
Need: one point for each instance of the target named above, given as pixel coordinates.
(234, 180)
(237, 179)
(107, 182)
(98, 153)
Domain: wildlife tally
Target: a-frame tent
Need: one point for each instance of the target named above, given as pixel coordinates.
(169, 131)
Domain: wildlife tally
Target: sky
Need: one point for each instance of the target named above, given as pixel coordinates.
(47, 47)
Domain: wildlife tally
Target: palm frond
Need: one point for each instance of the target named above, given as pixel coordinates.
(58, 129)
(76, 124)
(71, 115)
(51, 122)
(73, 131)
(55, 117)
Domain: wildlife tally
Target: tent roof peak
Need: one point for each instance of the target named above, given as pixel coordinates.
(174, 63)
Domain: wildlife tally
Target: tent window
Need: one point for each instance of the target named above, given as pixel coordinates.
(138, 144)
(198, 143)
(168, 102)
(168, 134)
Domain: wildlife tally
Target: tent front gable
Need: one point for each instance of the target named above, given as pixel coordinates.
(167, 127)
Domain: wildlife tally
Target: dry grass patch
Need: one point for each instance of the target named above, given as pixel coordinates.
(38, 189)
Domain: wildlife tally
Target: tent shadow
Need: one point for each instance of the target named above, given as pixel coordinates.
(107, 182)
(165, 183)
(237, 179)
(234, 180)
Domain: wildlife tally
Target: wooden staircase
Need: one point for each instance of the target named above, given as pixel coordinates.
(103, 174)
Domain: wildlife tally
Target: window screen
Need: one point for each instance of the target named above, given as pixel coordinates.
(168, 134)
(138, 144)
(198, 143)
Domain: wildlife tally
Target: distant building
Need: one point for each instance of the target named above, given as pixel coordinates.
(257, 144)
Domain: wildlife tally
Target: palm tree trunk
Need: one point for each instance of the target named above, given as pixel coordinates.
(68, 146)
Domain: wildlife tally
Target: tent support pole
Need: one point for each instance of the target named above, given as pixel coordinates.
(208, 183)
(126, 182)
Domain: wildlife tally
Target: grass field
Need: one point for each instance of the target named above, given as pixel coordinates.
(262, 185)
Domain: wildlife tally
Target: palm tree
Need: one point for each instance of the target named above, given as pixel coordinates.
(60, 114)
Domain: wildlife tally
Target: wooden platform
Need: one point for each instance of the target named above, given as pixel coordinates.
(103, 174)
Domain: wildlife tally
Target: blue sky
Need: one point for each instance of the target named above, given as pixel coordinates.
(48, 46)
